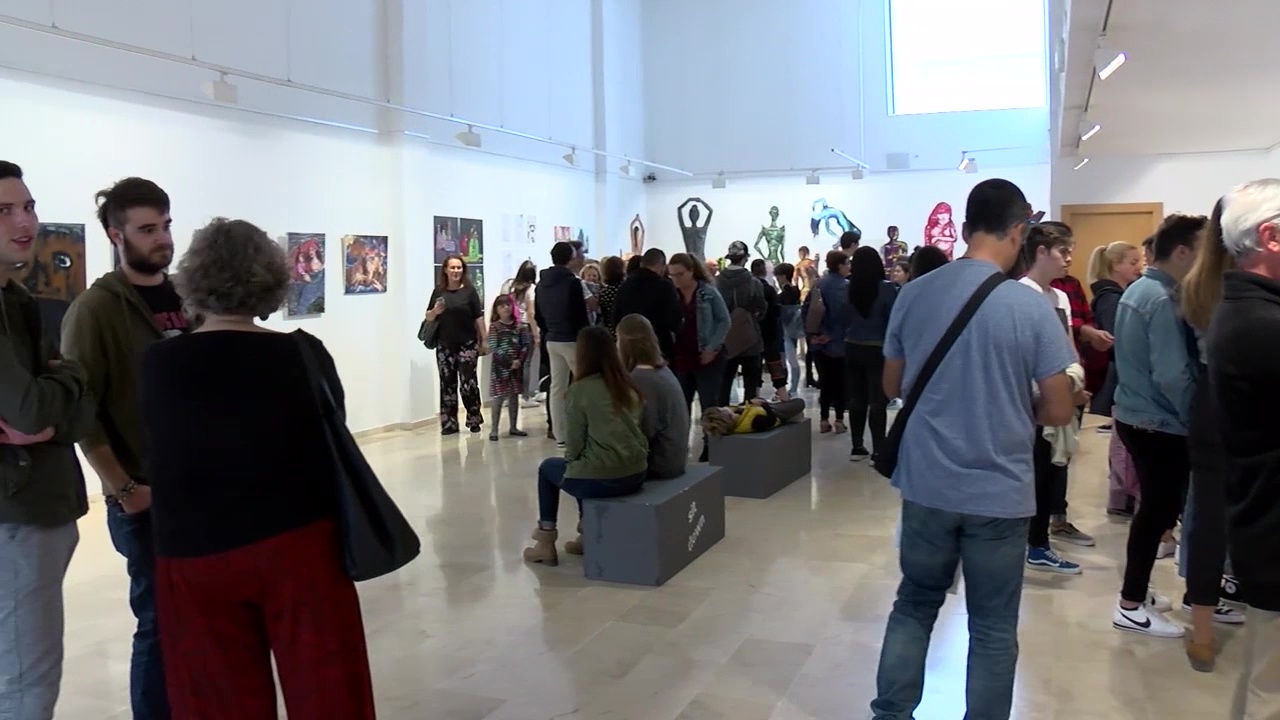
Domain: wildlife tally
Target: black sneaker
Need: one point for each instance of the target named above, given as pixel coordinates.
(1230, 593)
(859, 454)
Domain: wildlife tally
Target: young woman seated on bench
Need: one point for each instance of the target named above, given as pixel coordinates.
(606, 453)
(665, 419)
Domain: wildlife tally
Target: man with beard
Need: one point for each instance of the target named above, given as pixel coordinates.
(44, 408)
(107, 329)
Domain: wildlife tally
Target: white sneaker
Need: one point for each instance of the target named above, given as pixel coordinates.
(1167, 549)
(540, 397)
(1145, 621)
(1158, 602)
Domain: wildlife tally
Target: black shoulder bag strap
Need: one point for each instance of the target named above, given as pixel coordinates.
(887, 461)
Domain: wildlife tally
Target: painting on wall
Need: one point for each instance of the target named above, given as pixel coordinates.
(306, 274)
(637, 235)
(56, 275)
(477, 279)
(471, 240)
(940, 230)
(364, 270)
(446, 240)
(562, 233)
(531, 229)
(833, 221)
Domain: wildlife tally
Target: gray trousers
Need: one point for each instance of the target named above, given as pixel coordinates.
(1258, 689)
(33, 563)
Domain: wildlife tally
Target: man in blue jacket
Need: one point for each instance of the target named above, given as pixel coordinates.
(1155, 369)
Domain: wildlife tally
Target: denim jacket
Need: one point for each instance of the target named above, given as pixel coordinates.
(1154, 365)
(713, 317)
(871, 329)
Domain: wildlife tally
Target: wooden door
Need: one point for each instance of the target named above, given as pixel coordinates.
(1099, 225)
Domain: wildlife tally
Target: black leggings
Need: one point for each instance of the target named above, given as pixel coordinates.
(831, 395)
(1163, 467)
(864, 379)
(1051, 491)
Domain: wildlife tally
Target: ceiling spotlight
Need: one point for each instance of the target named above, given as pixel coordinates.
(469, 137)
(1088, 130)
(1081, 164)
(1107, 61)
(571, 157)
(222, 91)
(968, 165)
(717, 182)
(626, 169)
(812, 179)
(857, 173)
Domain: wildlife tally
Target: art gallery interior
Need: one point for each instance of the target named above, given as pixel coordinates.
(342, 117)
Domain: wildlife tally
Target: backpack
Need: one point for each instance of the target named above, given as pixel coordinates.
(743, 333)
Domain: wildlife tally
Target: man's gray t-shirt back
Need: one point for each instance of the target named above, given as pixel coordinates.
(967, 446)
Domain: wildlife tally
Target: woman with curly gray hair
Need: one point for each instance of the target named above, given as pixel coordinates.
(247, 558)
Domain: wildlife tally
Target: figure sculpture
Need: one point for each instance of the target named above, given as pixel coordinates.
(695, 235)
(894, 249)
(774, 237)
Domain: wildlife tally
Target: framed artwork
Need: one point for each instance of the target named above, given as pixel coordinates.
(471, 240)
(305, 297)
(446, 240)
(364, 269)
(56, 274)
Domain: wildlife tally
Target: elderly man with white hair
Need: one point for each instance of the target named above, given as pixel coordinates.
(1244, 367)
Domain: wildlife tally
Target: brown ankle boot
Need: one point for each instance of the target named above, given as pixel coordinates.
(544, 549)
(1203, 657)
(574, 547)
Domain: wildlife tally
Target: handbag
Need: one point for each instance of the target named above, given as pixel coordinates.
(429, 333)
(887, 460)
(816, 311)
(742, 333)
(376, 538)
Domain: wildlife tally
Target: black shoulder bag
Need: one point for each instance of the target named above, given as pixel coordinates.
(887, 458)
(376, 538)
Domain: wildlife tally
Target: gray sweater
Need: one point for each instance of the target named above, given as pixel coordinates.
(665, 421)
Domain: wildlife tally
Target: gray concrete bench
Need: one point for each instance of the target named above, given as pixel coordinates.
(646, 538)
(757, 465)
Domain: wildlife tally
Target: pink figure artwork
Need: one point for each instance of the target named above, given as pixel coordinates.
(940, 231)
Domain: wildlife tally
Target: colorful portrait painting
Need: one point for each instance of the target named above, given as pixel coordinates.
(940, 230)
(306, 274)
(446, 239)
(477, 279)
(471, 240)
(57, 274)
(364, 264)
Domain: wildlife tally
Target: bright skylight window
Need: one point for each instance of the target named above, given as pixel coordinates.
(963, 55)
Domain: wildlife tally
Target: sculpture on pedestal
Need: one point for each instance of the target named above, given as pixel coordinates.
(695, 235)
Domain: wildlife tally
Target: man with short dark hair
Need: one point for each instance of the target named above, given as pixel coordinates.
(45, 406)
(651, 294)
(560, 309)
(849, 241)
(1244, 372)
(1155, 383)
(965, 474)
(108, 328)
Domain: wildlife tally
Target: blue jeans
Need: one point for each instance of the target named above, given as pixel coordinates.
(551, 481)
(993, 551)
(131, 535)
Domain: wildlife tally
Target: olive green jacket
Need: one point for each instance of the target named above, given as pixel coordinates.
(601, 443)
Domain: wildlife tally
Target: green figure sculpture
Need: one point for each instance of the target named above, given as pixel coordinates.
(775, 236)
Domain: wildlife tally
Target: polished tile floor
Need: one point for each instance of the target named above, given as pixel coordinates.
(782, 619)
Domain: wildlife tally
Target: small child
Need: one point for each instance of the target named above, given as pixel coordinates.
(509, 343)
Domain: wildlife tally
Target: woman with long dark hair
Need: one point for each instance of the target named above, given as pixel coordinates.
(926, 260)
(871, 299)
(457, 308)
(605, 454)
(698, 360)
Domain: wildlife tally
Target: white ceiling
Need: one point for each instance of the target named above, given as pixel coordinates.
(1202, 76)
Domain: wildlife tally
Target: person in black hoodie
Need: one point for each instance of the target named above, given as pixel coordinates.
(744, 346)
(560, 309)
(650, 294)
(1244, 371)
(771, 330)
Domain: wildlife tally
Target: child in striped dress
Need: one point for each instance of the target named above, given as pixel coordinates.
(510, 343)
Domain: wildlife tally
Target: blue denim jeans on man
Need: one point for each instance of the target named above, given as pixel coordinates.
(992, 553)
(131, 535)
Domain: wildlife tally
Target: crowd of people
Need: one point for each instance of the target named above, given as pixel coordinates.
(233, 549)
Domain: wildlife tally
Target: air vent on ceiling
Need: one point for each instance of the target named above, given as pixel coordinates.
(898, 161)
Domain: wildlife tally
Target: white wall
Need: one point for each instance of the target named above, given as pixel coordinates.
(873, 203)
(775, 84)
(1184, 183)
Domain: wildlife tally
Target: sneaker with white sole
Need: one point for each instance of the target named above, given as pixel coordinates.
(1158, 602)
(1046, 560)
(1145, 621)
(1068, 533)
(1167, 549)
(1224, 613)
(1231, 591)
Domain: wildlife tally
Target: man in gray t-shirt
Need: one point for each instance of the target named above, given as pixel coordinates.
(964, 467)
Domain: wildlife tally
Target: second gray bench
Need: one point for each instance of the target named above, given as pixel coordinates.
(757, 465)
(646, 538)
